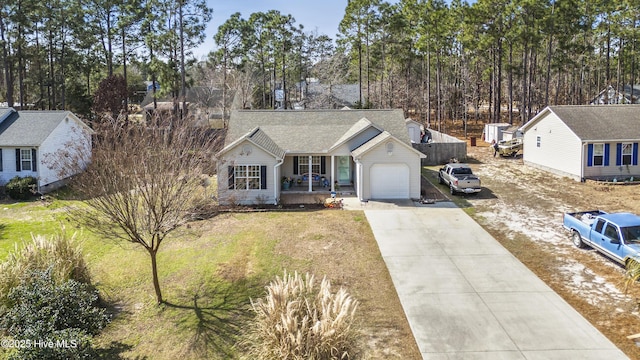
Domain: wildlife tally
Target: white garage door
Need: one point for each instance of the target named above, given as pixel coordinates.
(389, 181)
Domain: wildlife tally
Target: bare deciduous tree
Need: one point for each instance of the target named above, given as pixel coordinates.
(144, 183)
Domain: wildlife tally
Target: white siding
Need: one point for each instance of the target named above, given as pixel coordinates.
(560, 149)
(401, 155)
(414, 131)
(9, 165)
(70, 136)
(493, 132)
(246, 197)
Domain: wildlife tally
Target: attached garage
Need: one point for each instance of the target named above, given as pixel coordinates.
(390, 181)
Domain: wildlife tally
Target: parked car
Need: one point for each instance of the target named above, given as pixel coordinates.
(459, 178)
(616, 235)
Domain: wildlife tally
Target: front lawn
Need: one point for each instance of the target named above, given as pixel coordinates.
(210, 269)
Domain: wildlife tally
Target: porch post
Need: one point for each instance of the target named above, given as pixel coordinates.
(310, 177)
(333, 173)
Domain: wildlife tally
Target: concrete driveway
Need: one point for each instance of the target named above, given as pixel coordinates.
(466, 297)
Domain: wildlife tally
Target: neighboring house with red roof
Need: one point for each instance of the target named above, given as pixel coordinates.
(31, 140)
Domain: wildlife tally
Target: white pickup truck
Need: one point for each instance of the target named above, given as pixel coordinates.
(459, 178)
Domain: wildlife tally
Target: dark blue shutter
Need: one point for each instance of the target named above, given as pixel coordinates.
(34, 162)
(0, 159)
(263, 177)
(18, 168)
(618, 154)
(634, 157)
(590, 155)
(231, 175)
(606, 154)
(295, 165)
(323, 165)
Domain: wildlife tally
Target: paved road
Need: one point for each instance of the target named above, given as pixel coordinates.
(466, 297)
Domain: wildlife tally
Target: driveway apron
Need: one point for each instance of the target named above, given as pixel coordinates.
(467, 297)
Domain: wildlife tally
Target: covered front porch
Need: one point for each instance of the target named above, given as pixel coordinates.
(317, 173)
(300, 195)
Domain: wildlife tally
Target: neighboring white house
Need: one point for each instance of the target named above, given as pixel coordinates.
(585, 141)
(31, 140)
(367, 150)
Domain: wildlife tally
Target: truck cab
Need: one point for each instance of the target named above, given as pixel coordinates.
(615, 235)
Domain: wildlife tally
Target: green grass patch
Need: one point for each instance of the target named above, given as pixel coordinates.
(211, 269)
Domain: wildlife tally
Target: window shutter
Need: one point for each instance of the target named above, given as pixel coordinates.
(231, 175)
(618, 154)
(18, 168)
(0, 159)
(323, 165)
(263, 177)
(606, 154)
(34, 162)
(590, 155)
(295, 165)
(634, 156)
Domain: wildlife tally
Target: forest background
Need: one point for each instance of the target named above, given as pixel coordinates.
(492, 60)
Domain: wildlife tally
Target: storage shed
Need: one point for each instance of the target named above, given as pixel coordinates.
(493, 132)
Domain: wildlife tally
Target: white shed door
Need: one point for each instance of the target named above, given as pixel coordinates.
(389, 181)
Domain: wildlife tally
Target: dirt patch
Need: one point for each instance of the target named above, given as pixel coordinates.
(522, 208)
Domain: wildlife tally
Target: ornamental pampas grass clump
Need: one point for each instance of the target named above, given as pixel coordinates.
(297, 320)
(60, 252)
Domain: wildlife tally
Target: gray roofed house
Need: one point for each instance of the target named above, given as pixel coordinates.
(30, 141)
(627, 94)
(367, 153)
(585, 141)
(206, 103)
(334, 96)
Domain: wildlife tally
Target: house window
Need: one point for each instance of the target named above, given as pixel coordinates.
(247, 177)
(537, 141)
(627, 153)
(25, 159)
(303, 164)
(598, 154)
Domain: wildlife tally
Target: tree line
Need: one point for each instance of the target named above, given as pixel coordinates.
(504, 60)
(54, 53)
(501, 59)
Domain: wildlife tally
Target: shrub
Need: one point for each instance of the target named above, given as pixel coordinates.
(61, 315)
(21, 188)
(60, 253)
(297, 321)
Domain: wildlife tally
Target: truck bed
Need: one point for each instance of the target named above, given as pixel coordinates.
(586, 217)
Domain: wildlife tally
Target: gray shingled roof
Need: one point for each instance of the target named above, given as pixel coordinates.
(371, 143)
(260, 138)
(312, 131)
(29, 128)
(5, 112)
(605, 122)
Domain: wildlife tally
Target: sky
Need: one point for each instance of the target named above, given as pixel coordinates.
(321, 15)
